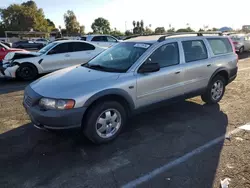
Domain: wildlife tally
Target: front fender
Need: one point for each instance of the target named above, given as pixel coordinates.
(118, 92)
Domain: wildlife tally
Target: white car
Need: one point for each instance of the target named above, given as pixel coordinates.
(56, 55)
(101, 40)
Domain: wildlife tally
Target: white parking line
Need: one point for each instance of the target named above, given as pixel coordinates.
(182, 159)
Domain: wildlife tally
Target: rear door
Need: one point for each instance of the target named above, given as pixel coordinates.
(82, 52)
(198, 67)
(164, 84)
(56, 58)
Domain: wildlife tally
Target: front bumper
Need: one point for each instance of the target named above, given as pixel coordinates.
(51, 119)
(8, 72)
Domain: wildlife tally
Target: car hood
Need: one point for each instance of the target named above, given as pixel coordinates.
(21, 55)
(69, 82)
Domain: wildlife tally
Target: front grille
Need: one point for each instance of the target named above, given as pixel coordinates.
(28, 100)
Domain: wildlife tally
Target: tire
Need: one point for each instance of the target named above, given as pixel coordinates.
(213, 94)
(241, 50)
(27, 72)
(99, 133)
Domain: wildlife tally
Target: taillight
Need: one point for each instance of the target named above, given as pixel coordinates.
(232, 44)
(235, 43)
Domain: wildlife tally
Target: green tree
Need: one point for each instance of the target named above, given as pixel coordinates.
(23, 17)
(201, 30)
(116, 32)
(134, 23)
(101, 25)
(160, 30)
(82, 29)
(148, 31)
(71, 23)
(188, 29)
(171, 30)
(128, 33)
(50, 23)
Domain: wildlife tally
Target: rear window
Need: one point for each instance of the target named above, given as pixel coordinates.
(220, 45)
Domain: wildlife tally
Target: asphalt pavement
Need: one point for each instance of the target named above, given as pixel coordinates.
(164, 147)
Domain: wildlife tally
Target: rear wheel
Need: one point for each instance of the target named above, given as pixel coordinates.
(104, 121)
(27, 72)
(215, 90)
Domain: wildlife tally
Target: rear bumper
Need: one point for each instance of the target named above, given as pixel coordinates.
(233, 74)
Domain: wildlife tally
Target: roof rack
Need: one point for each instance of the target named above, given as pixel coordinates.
(162, 38)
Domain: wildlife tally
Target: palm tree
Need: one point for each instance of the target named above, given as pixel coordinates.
(138, 24)
(134, 23)
(142, 24)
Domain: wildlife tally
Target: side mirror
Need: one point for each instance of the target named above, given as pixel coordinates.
(149, 67)
(2, 49)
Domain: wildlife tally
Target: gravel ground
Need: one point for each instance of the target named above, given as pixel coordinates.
(35, 158)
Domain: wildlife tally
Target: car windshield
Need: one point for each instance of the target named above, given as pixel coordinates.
(47, 48)
(119, 58)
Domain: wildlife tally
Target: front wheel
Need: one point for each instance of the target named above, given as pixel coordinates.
(27, 72)
(215, 90)
(104, 122)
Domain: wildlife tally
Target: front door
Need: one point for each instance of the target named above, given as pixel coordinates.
(56, 58)
(164, 84)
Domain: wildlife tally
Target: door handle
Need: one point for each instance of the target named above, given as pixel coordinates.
(209, 65)
(178, 72)
(67, 55)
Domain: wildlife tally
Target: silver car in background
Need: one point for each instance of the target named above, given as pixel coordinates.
(241, 42)
(100, 95)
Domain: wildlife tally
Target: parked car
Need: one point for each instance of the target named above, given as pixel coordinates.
(9, 44)
(5, 49)
(101, 40)
(26, 44)
(42, 41)
(54, 56)
(241, 42)
(100, 95)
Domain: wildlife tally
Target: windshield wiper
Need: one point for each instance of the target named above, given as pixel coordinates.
(100, 67)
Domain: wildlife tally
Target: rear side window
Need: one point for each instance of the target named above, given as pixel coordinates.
(81, 46)
(60, 48)
(100, 38)
(194, 50)
(220, 45)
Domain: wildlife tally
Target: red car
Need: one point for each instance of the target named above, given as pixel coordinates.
(5, 49)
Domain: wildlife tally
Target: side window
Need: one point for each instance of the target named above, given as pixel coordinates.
(166, 55)
(81, 46)
(111, 39)
(194, 50)
(60, 48)
(220, 45)
(99, 38)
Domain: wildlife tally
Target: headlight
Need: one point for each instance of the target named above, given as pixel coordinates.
(59, 104)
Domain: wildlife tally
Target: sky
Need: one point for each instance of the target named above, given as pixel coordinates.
(157, 13)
